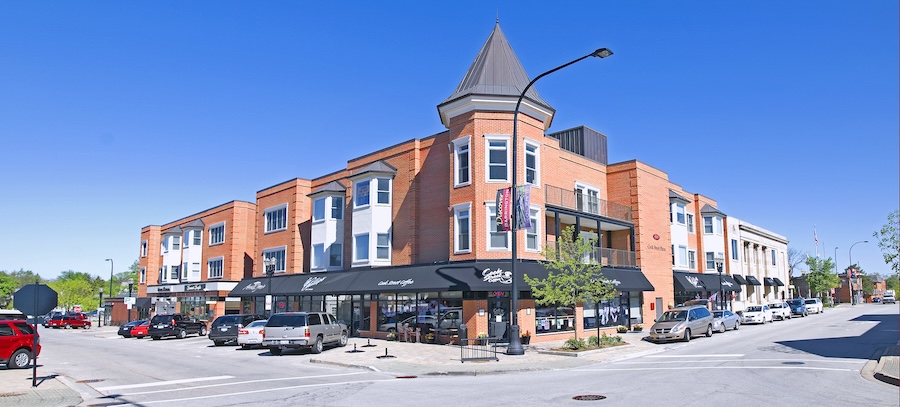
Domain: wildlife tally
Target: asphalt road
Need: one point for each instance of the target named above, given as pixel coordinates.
(804, 361)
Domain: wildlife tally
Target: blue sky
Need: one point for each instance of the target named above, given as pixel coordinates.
(116, 115)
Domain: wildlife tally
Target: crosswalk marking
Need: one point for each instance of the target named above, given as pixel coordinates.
(162, 383)
(206, 386)
(714, 355)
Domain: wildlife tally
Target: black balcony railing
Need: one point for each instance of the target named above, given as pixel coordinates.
(585, 203)
(608, 257)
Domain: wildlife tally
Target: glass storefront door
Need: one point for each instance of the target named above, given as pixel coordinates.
(498, 318)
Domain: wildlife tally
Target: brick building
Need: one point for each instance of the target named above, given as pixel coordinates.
(409, 232)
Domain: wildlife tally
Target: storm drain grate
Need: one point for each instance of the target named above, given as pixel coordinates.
(589, 397)
(90, 380)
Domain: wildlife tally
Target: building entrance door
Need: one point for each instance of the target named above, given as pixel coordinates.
(498, 318)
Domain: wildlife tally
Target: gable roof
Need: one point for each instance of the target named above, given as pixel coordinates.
(332, 186)
(174, 231)
(496, 71)
(675, 196)
(197, 224)
(377, 166)
(709, 209)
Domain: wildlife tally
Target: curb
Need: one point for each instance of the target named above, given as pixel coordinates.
(878, 370)
(585, 353)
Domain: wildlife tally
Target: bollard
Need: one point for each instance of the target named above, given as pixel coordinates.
(385, 356)
(355, 350)
(369, 344)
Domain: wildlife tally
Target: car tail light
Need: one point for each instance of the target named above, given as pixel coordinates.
(173, 322)
(263, 333)
(306, 332)
(243, 332)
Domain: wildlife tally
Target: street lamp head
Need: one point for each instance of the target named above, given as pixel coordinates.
(108, 260)
(602, 53)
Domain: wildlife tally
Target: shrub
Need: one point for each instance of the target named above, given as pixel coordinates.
(593, 341)
(575, 344)
(610, 340)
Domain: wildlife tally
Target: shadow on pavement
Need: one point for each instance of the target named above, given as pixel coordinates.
(852, 347)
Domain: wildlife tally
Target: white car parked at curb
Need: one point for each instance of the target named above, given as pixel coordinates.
(814, 306)
(757, 314)
(780, 310)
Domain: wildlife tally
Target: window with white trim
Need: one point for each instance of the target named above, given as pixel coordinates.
(382, 246)
(718, 223)
(682, 256)
(773, 257)
(216, 267)
(496, 240)
(689, 219)
(279, 254)
(462, 240)
(143, 248)
(337, 207)
(198, 237)
(707, 225)
(217, 234)
(384, 190)
(318, 209)
(361, 247)
(587, 199)
(176, 242)
(679, 213)
(184, 271)
(361, 193)
(335, 255)
(462, 175)
(532, 243)
(734, 249)
(174, 272)
(497, 157)
(276, 218)
(532, 162)
(195, 269)
(710, 261)
(318, 254)
(164, 245)
(692, 259)
(143, 276)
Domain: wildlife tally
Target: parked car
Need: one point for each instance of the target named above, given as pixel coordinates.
(798, 307)
(251, 335)
(888, 299)
(16, 341)
(876, 299)
(9, 314)
(780, 310)
(449, 320)
(683, 323)
(814, 305)
(141, 330)
(69, 321)
(224, 329)
(724, 320)
(757, 314)
(176, 325)
(295, 330)
(125, 329)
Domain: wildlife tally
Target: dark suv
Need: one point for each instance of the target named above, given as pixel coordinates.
(176, 325)
(225, 328)
(16, 340)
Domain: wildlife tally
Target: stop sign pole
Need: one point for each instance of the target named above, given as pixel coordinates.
(29, 300)
(34, 338)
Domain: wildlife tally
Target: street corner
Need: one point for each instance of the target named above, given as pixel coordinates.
(21, 388)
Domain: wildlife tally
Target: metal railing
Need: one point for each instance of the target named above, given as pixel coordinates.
(608, 257)
(585, 203)
(478, 349)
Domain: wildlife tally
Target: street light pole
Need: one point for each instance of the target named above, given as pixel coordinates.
(719, 263)
(130, 286)
(110, 294)
(269, 265)
(515, 343)
(99, 307)
(836, 270)
(850, 257)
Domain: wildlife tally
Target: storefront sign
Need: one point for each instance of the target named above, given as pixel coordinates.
(496, 276)
(723, 282)
(163, 289)
(401, 283)
(655, 247)
(312, 282)
(694, 281)
(255, 286)
(194, 287)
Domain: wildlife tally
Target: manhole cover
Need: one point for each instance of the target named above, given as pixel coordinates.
(793, 363)
(10, 394)
(90, 380)
(589, 397)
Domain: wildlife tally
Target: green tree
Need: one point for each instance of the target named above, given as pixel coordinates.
(821, 276)
(892, 282)
(575, 280)
(868, 286)
(795, 258)
(74, 291)
(889, 241)
(8, 286)
(24, 277)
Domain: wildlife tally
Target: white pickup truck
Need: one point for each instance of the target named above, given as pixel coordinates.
(889, 297)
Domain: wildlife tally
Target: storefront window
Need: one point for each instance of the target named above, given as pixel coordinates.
(365, 305)
(554, 319)
(610, 313)
(387, 312)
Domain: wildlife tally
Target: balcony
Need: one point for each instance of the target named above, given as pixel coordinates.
(568, 199)
(608, 257)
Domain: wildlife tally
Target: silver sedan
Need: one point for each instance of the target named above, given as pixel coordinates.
(724, 320)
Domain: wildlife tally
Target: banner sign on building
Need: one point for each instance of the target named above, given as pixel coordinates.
(504, 212)
(523, 207)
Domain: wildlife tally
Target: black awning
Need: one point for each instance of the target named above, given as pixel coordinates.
(318, 283)
(258, 286)
(752, 281)
(768, 281)
(627, 280)
(142, 303)
(740, 279)
(711, 281)
(689, 282)
(778, 282)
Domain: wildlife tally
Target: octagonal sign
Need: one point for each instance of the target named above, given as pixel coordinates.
(35, 299)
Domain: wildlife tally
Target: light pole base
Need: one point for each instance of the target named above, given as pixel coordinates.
(515, 343)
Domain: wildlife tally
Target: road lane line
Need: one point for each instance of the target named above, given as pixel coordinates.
(707, 368)
(714, 355)
(739, 360)
(242, 382)
(262, 391)
(163, 383)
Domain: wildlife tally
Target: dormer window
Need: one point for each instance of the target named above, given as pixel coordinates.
(384, 191)
(318, 209)
(361, 194)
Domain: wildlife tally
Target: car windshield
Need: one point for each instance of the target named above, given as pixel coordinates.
(670, 316)
(286, 320)
(812, 301)
(161, 319)
(227, 320)
(754, 309)
(776, 305)
(718, 314)
(257, 323)
(796, 302)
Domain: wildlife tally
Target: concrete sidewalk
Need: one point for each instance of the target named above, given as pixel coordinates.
(888, 369)
(16, 389)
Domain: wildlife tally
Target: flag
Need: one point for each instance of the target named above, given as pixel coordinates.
(816, 238)
(523, 207)
(712, 298)
(503, 210)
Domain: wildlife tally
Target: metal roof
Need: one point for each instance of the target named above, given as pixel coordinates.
(197, 224)
(496, 71)
(377, 166)
(174, 231)
(707, 208)
(675, 196)
(332, 186)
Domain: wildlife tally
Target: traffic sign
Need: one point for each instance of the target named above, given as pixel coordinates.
(35, 299)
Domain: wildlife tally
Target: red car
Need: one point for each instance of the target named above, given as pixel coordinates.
(16, 340)
(69, 321)
(139, 331)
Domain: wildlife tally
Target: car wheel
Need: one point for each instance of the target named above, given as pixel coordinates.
(709, 331)
(182, 334)
(275, 351)
(687, 335)
(244, 346)
(737, 325)
(139, 337)
(202, 331)
(67, 326)
(155, 338)
(88, 326)
(344, 338)
(20, 359)
(317, 347)
(724, 328)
